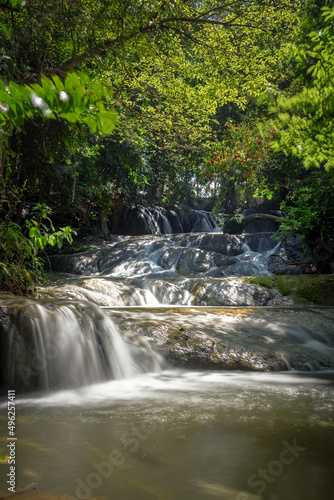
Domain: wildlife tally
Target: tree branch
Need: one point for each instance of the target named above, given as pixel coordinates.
(102, 49)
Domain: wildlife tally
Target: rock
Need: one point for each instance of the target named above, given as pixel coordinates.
(80, 263)
(245, 346)
(260, 242)
(185, 259)
(292, 257)
(194, 260)
(226, 244)
(15, 344)
(229, 292)
(261, 225)
(140, 220)
(174, 221)
(201, 222)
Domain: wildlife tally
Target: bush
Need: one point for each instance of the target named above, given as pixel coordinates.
(20, 264)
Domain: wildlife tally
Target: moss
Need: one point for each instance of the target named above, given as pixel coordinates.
(287, 285)
(318, 289)
(265, 281)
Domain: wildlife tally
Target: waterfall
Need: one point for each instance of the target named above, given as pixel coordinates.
(65, 344)
(202, 222)
(155, 220)
(64, 340)
(151, 223)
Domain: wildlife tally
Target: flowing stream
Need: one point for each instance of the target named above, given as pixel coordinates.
(107, 407)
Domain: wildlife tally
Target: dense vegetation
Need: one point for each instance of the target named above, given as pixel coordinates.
(106, 104)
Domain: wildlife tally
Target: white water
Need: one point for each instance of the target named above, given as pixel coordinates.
(153, 270)
(68, 345)
(98, 391)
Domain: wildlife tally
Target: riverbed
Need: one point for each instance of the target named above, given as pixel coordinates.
(108, 404)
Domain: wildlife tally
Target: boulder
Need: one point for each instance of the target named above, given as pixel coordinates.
(226, 244)
(249, 343)
(229, 292)
(80, 263)
(292, 257)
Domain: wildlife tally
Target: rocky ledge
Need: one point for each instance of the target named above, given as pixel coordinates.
(249, 343)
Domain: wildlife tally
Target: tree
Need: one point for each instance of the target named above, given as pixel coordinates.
(304, 121)
(235, 168)
(76, 99)
(169, 63)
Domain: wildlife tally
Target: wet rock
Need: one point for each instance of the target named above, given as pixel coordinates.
(80, 263)
(168, 257)
(194, 260)
(174, 221)
(261, 225)
(189, 259)
(230, 292)
(140, 220)
(260, 242)
(226, 244)
(243, 347)
(292, 257)
(211, 291)
(15, 344)
(201, 222)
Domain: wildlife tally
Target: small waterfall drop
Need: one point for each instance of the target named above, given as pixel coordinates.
(251, 263)
(64, 345)
(202, 222)
(151, 223)
(155, 220)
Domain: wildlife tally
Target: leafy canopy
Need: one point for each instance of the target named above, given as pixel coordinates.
(76, 99)
(304, 121)
(170, 64)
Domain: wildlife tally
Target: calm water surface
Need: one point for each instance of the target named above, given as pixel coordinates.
(180, 434)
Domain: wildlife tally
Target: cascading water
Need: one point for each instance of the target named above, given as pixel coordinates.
(120, 424)
(202, 221)
(174, 269)
(65, 345)
(140, 220)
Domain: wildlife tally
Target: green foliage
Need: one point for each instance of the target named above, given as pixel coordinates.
(15, 252)
(236, 166)
(313, 288)
(170, 63)
(232, 224)
(77, 100)
(304, 121)
(265, 281)
(20, 263)
(310, 209)
(40, 227)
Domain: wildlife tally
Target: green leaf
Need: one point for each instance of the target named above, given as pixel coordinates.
(33, 232)
(91, 122)
(70, 117)
(108, 122)
(52, 240)
(5, 29)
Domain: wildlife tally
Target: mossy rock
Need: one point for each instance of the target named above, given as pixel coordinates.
(317, 289)
(266, 281)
